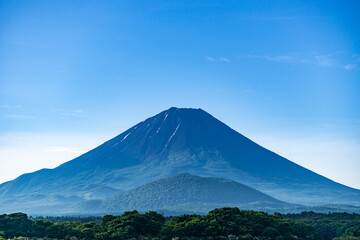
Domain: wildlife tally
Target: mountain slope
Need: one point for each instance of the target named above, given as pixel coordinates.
(174, 141)
(183, 193)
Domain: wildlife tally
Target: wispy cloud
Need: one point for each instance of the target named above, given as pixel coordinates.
(317, 59)
(20, 116)
(350, 66)
(4, 106)
(281, 58)
(324, 61)
(279, 17)
(70, 113)
(224, 59)
(13, 108)
(221, 59)
(74, 113)
(210, 59)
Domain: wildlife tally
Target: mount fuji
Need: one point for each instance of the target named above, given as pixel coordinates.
(175, 141)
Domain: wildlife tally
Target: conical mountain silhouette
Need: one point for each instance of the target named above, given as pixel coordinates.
(174, 141)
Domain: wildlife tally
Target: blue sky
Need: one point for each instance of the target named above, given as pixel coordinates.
(284, 73)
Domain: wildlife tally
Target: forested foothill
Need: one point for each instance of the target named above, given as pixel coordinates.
(224, 223)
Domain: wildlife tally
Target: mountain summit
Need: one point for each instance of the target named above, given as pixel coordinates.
(174, 141)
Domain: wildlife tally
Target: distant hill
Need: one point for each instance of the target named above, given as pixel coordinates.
(174, 141)
(184, 193)
(330, 208)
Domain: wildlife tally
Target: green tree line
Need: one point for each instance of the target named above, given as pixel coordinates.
(224, 223)
(339, 226)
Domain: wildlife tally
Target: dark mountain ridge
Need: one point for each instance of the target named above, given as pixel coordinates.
(172, 142)
(183, 192)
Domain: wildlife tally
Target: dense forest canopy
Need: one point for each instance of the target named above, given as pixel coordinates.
(331, 225)
(224, 223)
